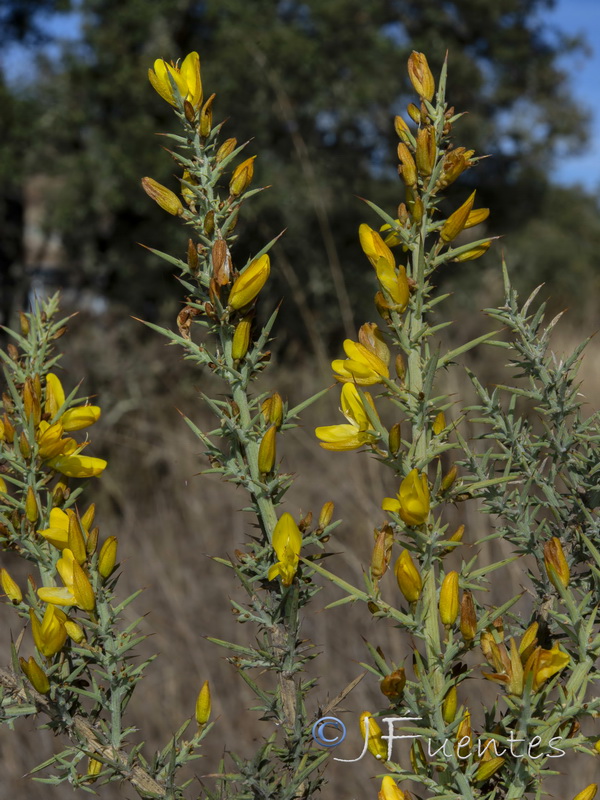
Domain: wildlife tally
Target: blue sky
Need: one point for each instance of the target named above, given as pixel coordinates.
(571, 16)
(583, 17)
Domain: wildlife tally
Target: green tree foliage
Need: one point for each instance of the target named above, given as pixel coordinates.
(315, 83)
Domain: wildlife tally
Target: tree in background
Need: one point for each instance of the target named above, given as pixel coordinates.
(320, 106)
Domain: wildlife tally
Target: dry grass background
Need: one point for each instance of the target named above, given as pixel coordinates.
(170, 521)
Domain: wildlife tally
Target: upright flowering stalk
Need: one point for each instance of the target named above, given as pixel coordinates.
(73, 668)
(437, 595)
(220, 330)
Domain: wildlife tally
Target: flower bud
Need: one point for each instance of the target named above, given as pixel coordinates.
(241, 338)
(425, 151)
(192, 256)
(381, 554)
(31, 402)
(457, 221)
(250, 282)
(439, 423)
(588, 793)
(74, 631)
(165, 198)
(8, 430)
(272, 409)
(400, 367)
(93, 770)
(225, 150)
(267, 451)
(395, 439)
(448, 479)
(242, 177)
(326, 514)
(82, 589)
(449, 599)
(24, 445)
(203, 705)
(557, 568)
(450, 705)
(488, 768)
(402, 129)
(76, 538)
(24, 322)
(375, 744)
(107, 558)
(10, 588)
(393, 684)
(468, 617)
(409, 579)
(474, 253)
(420, 75)
(36, 675)
(221, 262)
(407, 168)
(31, 506)
(205, 126)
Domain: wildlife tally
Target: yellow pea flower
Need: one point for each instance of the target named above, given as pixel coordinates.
(186, 78)
(395, 283)
(78, 466)
(287, 541)
(545, 664)
(50, 635)
(412, 502)
(250, 282)
(362, 366)
(77, 590)
(242, 177)
(374, 247)
(390, 790)
(357, 432)
(58, 532)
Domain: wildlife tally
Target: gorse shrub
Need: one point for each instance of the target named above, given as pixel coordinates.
(534, 471)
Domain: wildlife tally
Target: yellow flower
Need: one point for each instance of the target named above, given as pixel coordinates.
(545, 663)
(412, 502)
(358, 431)
(77, 589)
(78, 466)
(250, 282)
(362, 365)
(374, 247)
(390, 790)
(395, 284)
(186, 78)
(50, 440)
(588, 793)
(50, 635)
(287, 541)
(58, 532)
